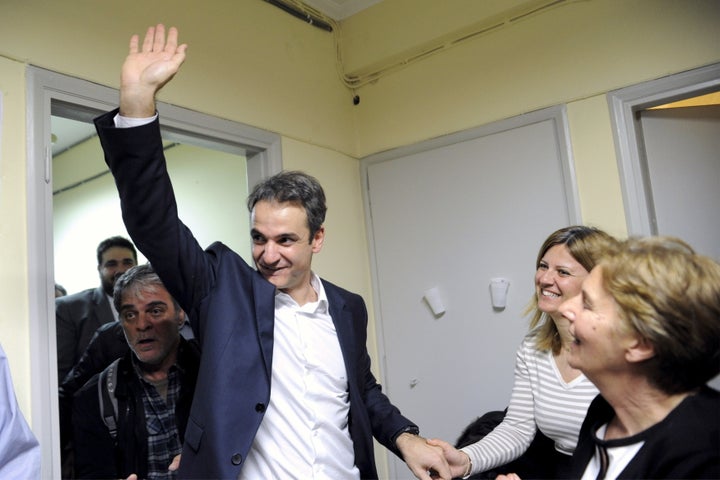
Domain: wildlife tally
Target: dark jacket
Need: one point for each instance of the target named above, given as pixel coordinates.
(232, 309)
(685, 444)
(97, 455)
(107, 345)
(77, 317)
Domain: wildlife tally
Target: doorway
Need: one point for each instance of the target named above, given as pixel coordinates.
(628, 107)
(55, 99)
(667, 136)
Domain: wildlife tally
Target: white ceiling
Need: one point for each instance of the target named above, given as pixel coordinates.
(340, 9)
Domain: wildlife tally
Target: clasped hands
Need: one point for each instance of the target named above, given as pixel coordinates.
(459, 462)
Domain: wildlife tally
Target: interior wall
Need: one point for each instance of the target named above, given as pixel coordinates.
(577, 50)
(14, 324)
(247, 60)
(572, 54)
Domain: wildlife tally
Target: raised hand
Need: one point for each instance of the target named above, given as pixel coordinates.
(147, 69)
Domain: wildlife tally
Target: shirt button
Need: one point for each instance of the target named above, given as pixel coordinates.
(260, 407)
(236, 459)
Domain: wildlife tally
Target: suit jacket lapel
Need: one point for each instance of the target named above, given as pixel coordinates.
(343, 320)
(264, 297)
(103, 312)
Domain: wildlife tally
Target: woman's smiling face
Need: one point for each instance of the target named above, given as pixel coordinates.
(558, 278)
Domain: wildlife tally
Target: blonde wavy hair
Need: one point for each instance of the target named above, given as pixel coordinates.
(587, 245)
(670, 296)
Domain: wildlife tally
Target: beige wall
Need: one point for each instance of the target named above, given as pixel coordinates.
(14, 328)
(252, 63)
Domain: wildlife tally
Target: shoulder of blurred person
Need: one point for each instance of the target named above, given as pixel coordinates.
(19, 449)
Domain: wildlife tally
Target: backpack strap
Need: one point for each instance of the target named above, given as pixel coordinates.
(106, 396)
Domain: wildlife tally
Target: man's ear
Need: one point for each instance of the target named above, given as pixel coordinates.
(318, 239)
(639, 350)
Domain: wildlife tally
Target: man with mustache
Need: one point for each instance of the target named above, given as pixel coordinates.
(152, 386)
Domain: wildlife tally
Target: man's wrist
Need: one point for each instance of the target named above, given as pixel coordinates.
(410, 429)
(122, 121)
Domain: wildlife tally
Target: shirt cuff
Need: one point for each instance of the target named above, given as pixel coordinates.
(129, 122)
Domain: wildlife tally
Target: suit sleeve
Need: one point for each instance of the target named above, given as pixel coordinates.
(385, 418)
(66, 339)
(136, 159)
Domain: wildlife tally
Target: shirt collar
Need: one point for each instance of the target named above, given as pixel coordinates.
(320, 306)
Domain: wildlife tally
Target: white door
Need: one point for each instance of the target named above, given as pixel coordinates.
(451, 217)
(682, 148)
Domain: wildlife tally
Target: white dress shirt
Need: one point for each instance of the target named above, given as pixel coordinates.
(304, 433)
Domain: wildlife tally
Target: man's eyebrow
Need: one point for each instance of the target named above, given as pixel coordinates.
(293, 235)
(156, 303)
(130, 306)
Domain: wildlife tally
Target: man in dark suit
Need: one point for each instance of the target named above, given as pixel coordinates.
(279, 325)
(77, 316)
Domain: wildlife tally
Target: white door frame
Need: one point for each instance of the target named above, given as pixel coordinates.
(624, 106)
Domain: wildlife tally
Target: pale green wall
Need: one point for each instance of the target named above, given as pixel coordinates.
(250, 62)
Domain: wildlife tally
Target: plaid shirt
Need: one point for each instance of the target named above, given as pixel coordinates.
(163, 437)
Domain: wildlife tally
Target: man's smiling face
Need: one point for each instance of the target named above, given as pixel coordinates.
(282, 248)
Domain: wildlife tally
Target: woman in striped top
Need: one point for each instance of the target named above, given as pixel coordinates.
(549, 395)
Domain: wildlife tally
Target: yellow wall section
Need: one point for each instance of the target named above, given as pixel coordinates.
(14, 327)
(595, 164)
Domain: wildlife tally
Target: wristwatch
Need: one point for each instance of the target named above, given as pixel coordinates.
(411, 429)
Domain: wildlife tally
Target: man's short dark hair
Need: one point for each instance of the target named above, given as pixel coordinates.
(116, 241)
(297, 188)
(137, 278)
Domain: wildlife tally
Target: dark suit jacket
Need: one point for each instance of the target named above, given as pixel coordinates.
(77, 316)
(231, 308)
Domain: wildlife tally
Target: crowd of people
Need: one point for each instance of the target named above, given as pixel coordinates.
(197, 365)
